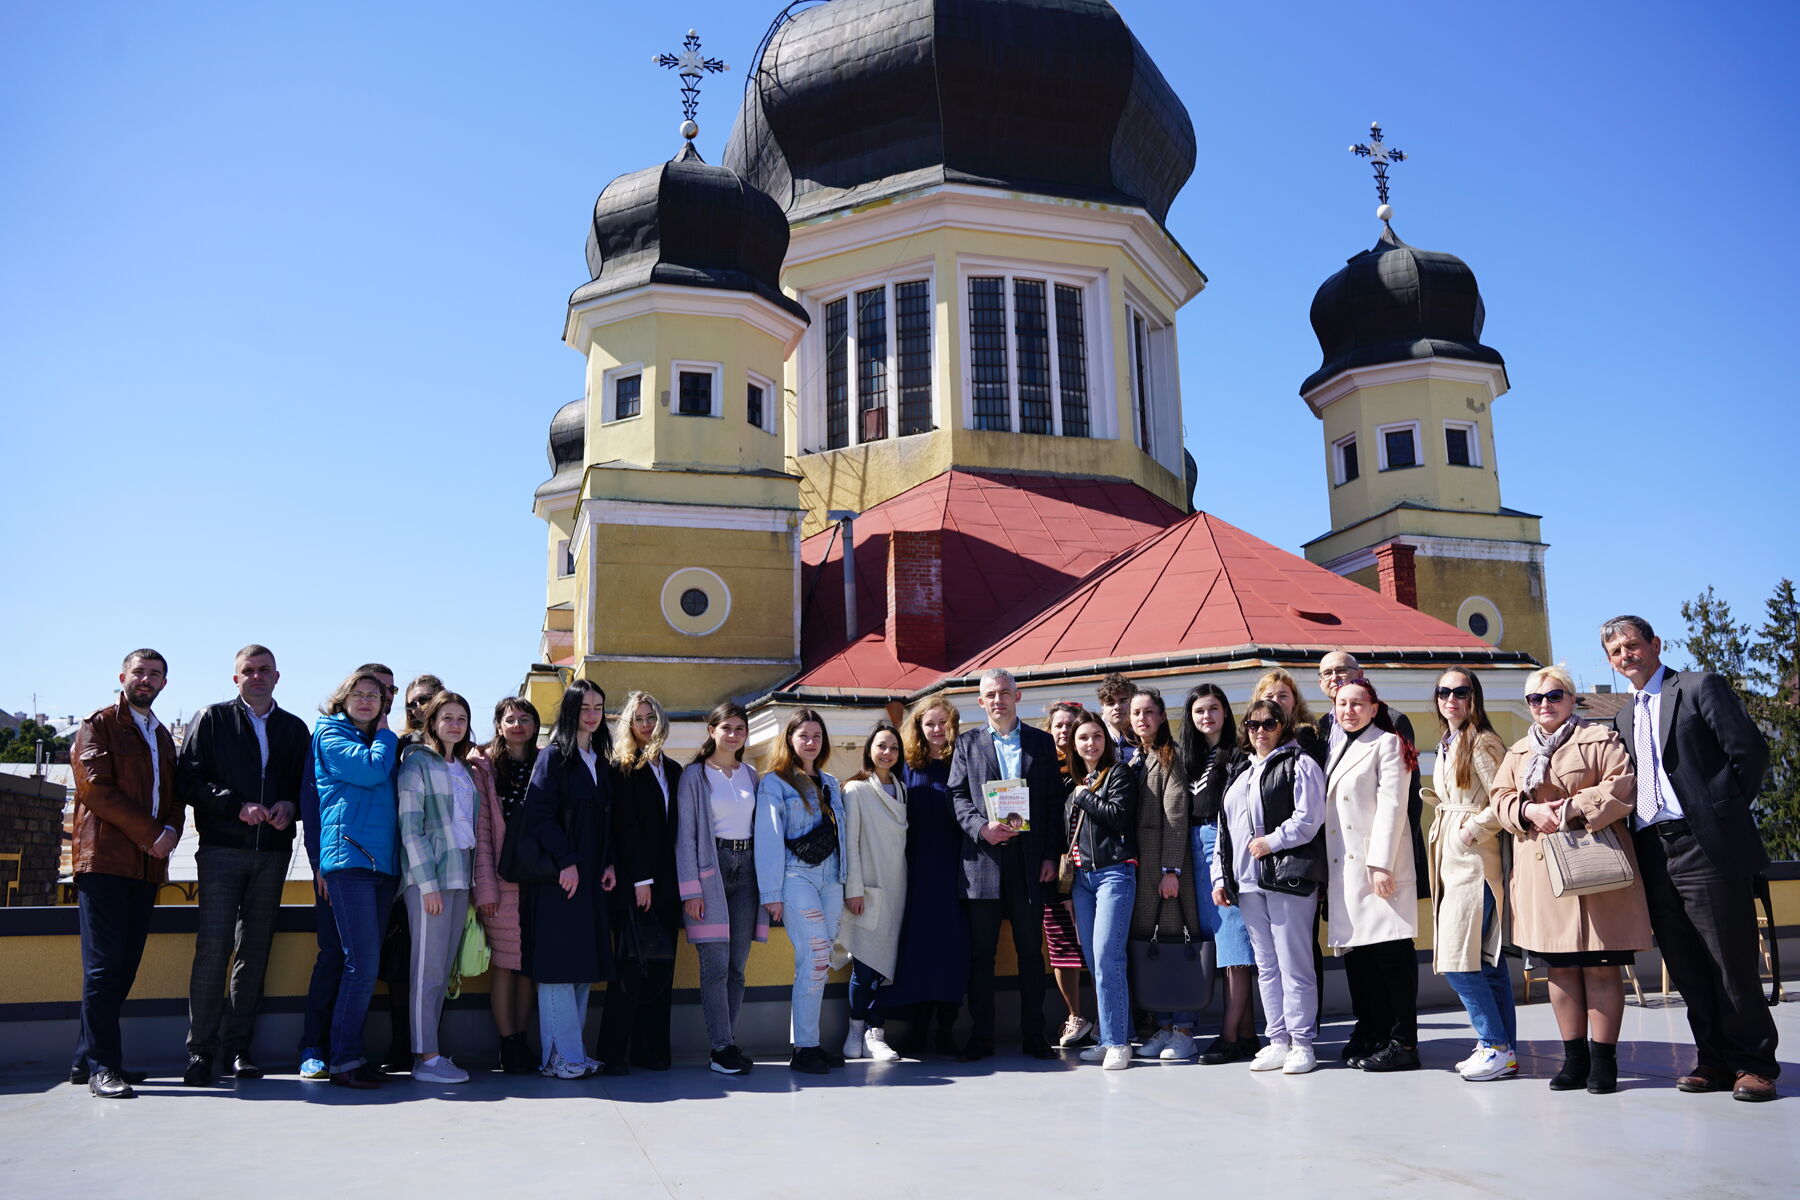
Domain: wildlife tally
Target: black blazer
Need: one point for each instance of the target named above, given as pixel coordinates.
(1716, 758)
(973, 764)
(644, 837)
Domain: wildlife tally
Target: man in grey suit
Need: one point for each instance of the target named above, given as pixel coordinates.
(1007, 873)
(1700, 761)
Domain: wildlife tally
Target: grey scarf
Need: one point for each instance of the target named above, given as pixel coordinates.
(1543, 745)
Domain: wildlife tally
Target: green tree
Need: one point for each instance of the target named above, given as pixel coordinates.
(20, 746)
(1716, 642)
(1775, 703)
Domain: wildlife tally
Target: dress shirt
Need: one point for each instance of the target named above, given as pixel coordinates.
(148, 725)
(1008, 752)
(1671, 809)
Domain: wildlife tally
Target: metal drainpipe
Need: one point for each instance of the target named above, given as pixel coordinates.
(847, 519)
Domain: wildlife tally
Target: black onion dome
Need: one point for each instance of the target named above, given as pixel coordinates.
(568, 446)
(1394, 303)
(857, 100)
(686, 222)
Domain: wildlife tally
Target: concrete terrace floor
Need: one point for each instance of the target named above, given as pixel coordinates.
(1005, 1127)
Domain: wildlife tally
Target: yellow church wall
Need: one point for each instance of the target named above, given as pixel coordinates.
(1516, 589)
(1434, 482)
(686, 687)
(633, 561)
(692, 486)
(1401, 521)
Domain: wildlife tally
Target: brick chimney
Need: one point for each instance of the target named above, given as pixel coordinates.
(1399, 578)
(915, 597)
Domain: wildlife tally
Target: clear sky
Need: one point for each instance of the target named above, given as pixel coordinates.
(282, 290)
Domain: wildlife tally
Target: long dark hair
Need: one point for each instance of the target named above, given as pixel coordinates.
(1194, 751)
(1108, 756)
(1462, 754)
(568, 719)
(716, 718)
(1384, 721)
(1163, 744)
(496, 749)
(868, 763)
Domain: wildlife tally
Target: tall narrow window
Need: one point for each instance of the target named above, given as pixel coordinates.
(1462, 444)
(754, 407)
(1347, 466)
(1031, 331)
(1071, 361)
(987, 353)
(1140, 376)
(912, 330)
(837, 374)
(627, 396)
(871, 364)
(696, 394)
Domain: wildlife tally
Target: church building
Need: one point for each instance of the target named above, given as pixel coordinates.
(892, 395)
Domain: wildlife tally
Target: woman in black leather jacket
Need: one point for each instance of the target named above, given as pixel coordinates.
(1100, 815)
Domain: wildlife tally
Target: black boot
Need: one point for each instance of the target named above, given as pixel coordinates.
(515, 1055)
(946, 1032)
(1603, 1075)
(1576, 1065)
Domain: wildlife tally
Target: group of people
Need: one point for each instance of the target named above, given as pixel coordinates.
(581, 862)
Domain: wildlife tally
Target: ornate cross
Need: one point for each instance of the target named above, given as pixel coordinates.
(1381, 156)
(693, 66)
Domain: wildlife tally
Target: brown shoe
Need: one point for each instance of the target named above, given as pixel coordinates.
(1753, 1088)
(1705, 1079)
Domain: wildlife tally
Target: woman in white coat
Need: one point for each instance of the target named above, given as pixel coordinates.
(1373, 910)
(868, 936)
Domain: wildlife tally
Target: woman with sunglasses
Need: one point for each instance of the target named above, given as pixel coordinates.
(1279, 686)
(1468, 876)
(1270, 862)
(1571, 773)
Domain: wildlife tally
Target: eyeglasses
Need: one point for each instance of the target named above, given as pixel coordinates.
(371, 697)
(419, 702)
(1457, 693)
(1336, 672)
(1536, 698)
(1263, 725)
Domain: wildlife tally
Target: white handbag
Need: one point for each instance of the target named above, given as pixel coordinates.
(1584, 861)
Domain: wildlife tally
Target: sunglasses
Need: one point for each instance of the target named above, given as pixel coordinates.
(1458, 693)
(1536, 698)
(1262, 725)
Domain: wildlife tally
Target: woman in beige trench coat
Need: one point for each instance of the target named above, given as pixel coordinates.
(1568, 768)
(1468, 876)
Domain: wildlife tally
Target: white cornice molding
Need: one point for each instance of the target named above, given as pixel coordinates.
(1431, 546)
(674, 299)
(986, 210)
(551, 502)
(1492, 376)
(602, 511)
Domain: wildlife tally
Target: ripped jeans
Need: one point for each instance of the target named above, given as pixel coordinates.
(812, 899)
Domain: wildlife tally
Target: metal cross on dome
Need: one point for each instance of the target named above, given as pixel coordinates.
(692, 66)
(1381, 155)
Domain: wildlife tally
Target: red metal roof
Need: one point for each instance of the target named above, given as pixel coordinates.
(1011, 545)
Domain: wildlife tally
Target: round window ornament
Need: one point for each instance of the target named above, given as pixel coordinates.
(695, 601)
(1481, 617)
(1478, 622)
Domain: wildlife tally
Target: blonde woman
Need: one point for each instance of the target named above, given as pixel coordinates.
(634, 1024)
(1278, 687)
(1574, 773)
(868, 936)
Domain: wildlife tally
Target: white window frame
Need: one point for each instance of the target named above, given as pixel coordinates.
(1381, 432)
(609, 392)
(1339, 472)
(1474, 432)
(671, 397)
(1164, 382)
(1096, 326)
(813, 427)
(771, 399)
(565, 562)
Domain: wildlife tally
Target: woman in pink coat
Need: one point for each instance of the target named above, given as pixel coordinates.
(501, 772)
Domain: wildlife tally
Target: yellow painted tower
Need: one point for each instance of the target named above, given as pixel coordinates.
(1405, 395)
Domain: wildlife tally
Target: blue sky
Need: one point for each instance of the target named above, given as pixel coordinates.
(282, 288)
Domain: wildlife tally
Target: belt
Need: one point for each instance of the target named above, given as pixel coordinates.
(735, 843)
(1667, 829)
(1461, 808)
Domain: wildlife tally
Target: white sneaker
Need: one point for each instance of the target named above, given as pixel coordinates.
(439, 1070)
(1074, 1029)
(875, 1042)
(1117, 1058)
(1154, 1045)
(1299, 1061)
(1473, 1055)
(1271, 1057)
(853, 1041)
(1489, 1064)
(1181, 1045)
(1093, 1054)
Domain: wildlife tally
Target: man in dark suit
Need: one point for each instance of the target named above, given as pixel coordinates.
(1700, 761)
(1007, 873)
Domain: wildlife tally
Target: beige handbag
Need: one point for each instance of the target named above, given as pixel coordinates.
(1584, 861)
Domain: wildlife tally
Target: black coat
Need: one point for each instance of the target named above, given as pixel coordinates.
(1107, 833)
(644, 838)
(568, 939)
(221, 770)
(1716, 757)
(974, 764)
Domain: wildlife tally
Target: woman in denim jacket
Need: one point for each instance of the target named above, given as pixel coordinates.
(800, 816)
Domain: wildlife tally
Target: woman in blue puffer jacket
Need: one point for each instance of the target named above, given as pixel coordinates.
(354, 756)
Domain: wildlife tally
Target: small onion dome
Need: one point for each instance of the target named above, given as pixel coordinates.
(858, 100)
(688, 223)
(1394, 303)
(568, 447)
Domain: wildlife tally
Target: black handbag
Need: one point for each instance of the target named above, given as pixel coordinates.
(1292, 872)
(1170, 975)
(644, 937)
(523, 859)
(818, 843)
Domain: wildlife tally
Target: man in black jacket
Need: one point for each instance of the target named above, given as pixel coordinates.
(1007, 873)
(1700, 761)
(240, 771)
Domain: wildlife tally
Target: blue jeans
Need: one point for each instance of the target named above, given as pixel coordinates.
(321, 993)
(864, 981)
(1488, 993)
(810, 907)
(360, 902)
(562, 1020)
(1103, 900)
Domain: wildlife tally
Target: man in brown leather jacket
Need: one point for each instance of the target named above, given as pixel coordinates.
(127, 821)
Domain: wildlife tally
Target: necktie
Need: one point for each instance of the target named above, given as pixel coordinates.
(1649, 776)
